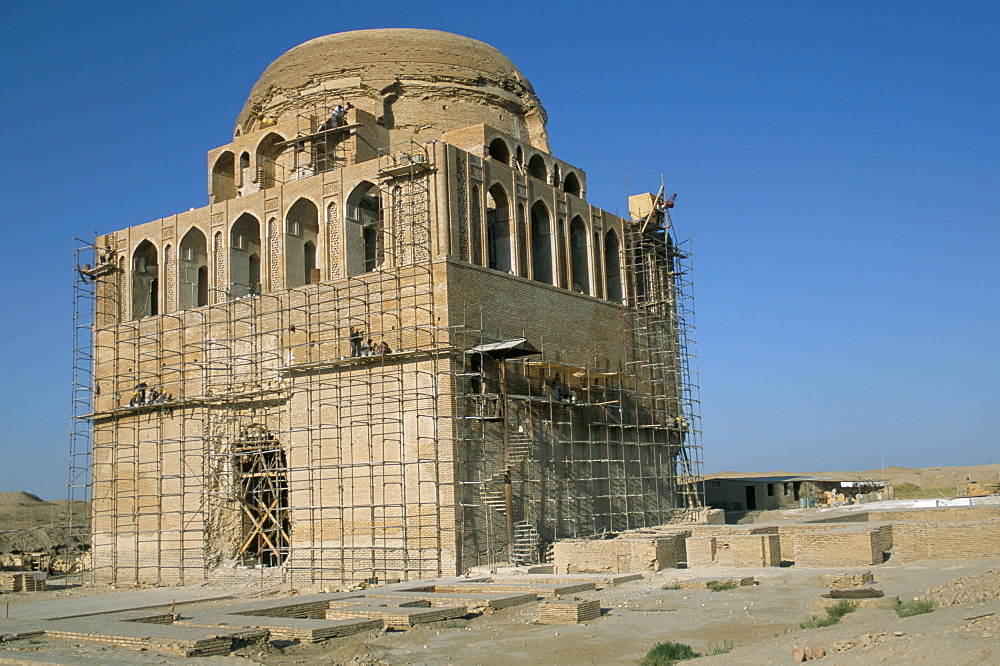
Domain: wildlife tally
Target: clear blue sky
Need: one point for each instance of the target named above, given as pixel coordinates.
(836, 164)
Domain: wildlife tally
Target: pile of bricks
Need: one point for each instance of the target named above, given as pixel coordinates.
(569, 611)
(703, 583)
(845, 581)
(22, 581)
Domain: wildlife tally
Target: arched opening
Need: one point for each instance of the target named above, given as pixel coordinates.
(203, 285)
(244, 257)
(571, 185)
(192, 276)
(499, 151)
(498, 229)
(145, 281)
(269, 168)
(541, 244)
(519, 155)
(536, 168)
(366, 246)
(261, 484)
(223, 178)
(244, 174)
(612, 267)
(579, 258)
(309, 257)
(301, 234)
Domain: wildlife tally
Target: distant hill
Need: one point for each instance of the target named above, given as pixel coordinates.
(18, 497)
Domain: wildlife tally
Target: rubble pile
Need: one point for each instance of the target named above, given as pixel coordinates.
(967, 590)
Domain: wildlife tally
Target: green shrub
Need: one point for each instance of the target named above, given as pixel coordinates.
(673, 585)
(721, 585)
(667, 654)
(725, 647)
(917, 607)
(834, 614)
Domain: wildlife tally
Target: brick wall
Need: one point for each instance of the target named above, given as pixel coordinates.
(934, 541)
(846, 546)
(737, 550)
(619, 555)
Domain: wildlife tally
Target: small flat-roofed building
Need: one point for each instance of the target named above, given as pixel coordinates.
(762, 493)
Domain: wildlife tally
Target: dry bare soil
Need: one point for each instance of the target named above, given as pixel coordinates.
(760, 622)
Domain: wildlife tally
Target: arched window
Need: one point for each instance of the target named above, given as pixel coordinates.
(498, 229)
(541, 244)
(366, 241)
(269, 167)
(499, 151)
(572, 184)
(612, 267)
(145, 281)
(244, 257)
(301, 234)
(536, 168)
(223, 178)
(192, 275)
(579, 257)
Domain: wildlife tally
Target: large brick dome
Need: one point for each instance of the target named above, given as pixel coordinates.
(415, 81)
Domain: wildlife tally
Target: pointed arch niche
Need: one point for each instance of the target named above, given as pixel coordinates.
(541, 244)
(365, 239)
(244, 256)
(192, 274)
(498, 229)
(145, 281)
(579, 256)
(301, 236)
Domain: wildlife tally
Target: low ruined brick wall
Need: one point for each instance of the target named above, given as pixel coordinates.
(847, 546)
(787, 533)
(936, 541)
(621, 555)
(951, 514)
(738, 550)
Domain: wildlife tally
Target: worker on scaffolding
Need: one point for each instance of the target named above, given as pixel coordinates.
(338, 117)
(357, 335)
(139, 395)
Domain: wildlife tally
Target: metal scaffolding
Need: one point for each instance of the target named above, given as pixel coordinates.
(361, 428)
